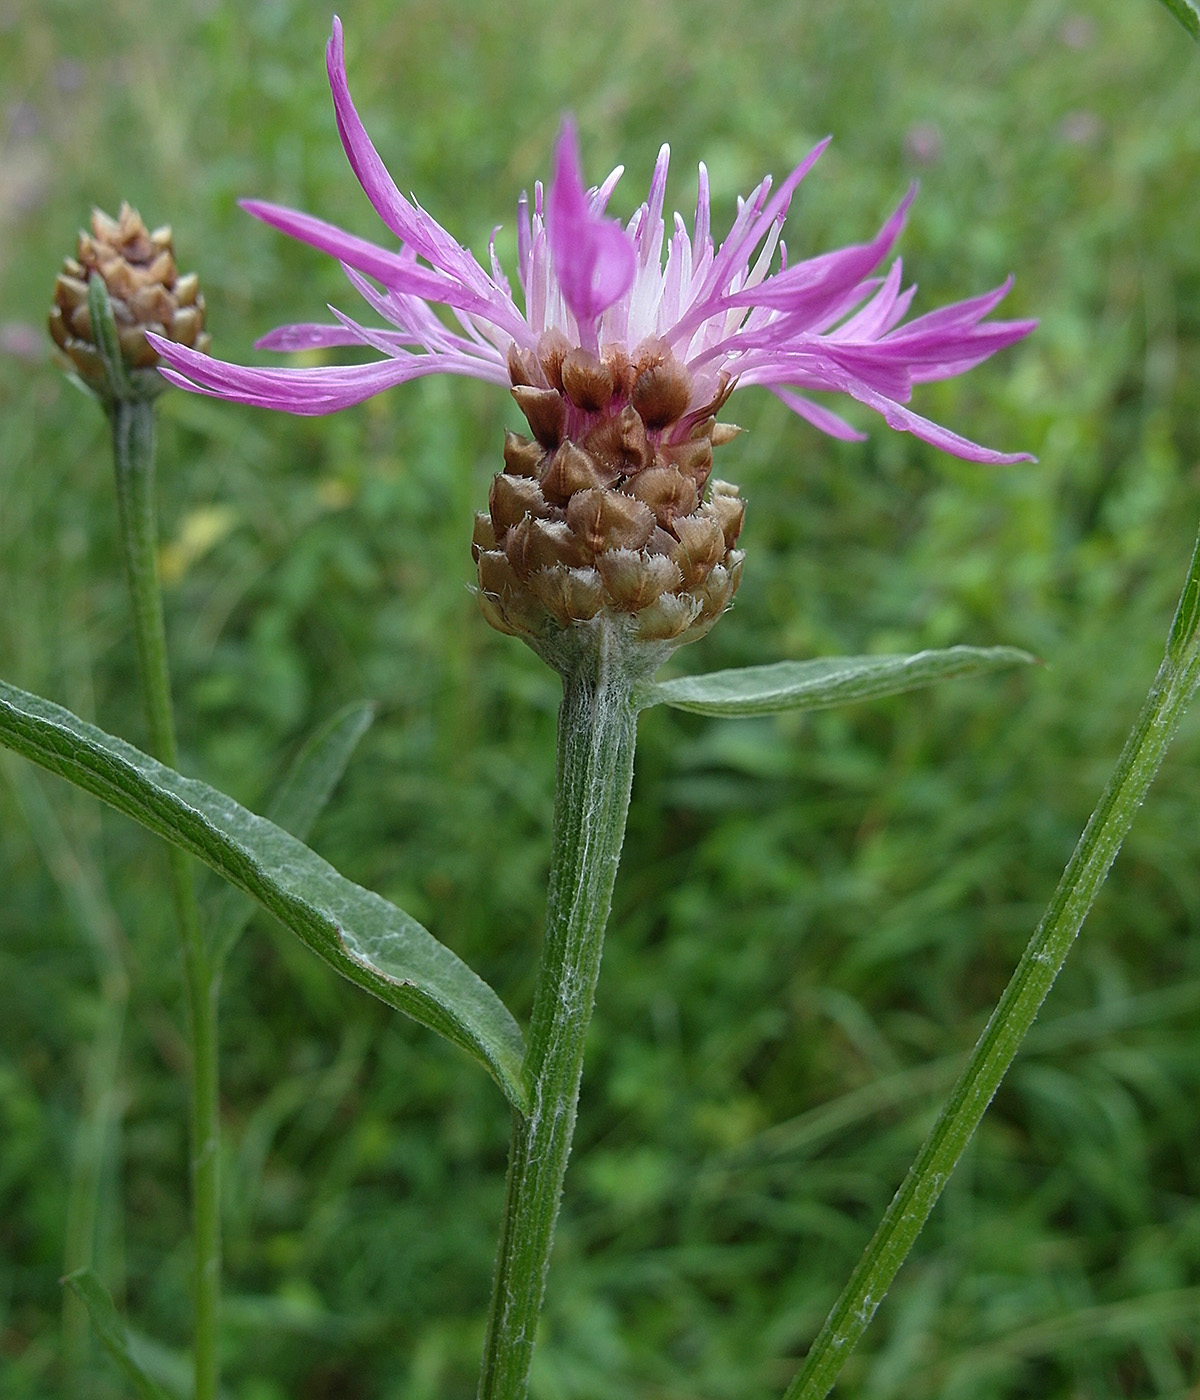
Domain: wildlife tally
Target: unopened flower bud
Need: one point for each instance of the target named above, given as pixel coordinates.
(144, 293)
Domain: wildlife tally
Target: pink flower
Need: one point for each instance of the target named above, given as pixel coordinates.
(734, 314)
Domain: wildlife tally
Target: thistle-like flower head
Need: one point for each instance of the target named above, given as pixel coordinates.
(627, 341)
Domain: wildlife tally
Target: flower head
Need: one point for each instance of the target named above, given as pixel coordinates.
(626, 343)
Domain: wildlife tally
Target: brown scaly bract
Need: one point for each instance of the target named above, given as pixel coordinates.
(609, 505)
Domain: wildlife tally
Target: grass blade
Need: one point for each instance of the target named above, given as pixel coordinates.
(110, 1331)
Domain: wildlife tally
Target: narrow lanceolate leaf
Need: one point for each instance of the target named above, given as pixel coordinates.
(1187, 12)
(816, 685)
(365, 938)
(110, 1331)
(306, 788)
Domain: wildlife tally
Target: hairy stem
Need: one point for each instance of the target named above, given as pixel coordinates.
(133, 456)
(596, 733)
(1041, 963)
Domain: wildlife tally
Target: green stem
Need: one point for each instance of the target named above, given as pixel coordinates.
(133, 456)
(1041, 963)
(93, 1151)
(596, 734)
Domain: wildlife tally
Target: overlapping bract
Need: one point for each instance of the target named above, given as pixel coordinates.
(737, 312)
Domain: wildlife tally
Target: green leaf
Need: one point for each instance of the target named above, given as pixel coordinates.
(111, 1331)
(1187, 12)
(306, 788)
(815, 685)
(368, 940)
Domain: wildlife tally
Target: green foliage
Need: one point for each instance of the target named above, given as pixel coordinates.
(816, 911)
(111, 1333)
(821, 684)
(360, 935)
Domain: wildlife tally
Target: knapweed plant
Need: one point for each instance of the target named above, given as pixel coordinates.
(607, 543)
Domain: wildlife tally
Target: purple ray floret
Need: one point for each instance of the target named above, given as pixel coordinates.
(734, 313)
(592, 256)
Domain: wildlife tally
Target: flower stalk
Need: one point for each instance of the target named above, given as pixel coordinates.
(596, 734)
(1043, 959)
(132, 422)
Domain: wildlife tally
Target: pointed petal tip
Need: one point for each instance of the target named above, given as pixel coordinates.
(987, 456)
(178, 357)
(173, 376)
(335, 53)
(166, 349)
(811, 159)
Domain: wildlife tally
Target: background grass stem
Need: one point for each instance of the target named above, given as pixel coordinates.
(1139, 761)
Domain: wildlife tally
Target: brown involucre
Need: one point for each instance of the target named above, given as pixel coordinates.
(608, 506)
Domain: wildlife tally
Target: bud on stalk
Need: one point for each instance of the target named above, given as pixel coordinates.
(145, 293)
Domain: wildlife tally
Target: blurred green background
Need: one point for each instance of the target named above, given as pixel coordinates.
(815, 915)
